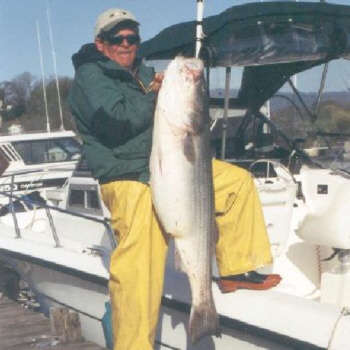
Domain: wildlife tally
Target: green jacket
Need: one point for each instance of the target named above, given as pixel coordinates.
(114, 116)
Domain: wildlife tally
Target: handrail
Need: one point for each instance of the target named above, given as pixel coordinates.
(47, 207)
(42, 170)
(53, 228)
(53, 131)
(15, 222)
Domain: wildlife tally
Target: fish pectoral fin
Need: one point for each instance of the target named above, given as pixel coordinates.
(188, 148)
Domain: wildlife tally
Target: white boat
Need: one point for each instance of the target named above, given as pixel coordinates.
(53, 154)
(64, 257)
(62, 248)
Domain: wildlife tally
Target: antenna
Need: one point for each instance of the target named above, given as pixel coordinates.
(43, 77)
(55, 67)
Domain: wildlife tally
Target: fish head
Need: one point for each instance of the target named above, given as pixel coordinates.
(183, 95)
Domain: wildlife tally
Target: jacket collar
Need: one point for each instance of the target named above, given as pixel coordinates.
(89, 54)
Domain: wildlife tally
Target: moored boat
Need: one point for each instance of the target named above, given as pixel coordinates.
(54, 155)
(61, 247)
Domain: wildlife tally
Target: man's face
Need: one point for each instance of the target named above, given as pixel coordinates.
(124, 53)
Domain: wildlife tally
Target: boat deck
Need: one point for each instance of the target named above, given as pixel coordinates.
(23, 329)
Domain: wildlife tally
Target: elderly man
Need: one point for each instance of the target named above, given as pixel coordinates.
(113, 99)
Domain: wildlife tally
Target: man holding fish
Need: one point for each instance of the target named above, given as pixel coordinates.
(208, 206)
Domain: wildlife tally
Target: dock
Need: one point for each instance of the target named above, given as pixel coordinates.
(22, 328)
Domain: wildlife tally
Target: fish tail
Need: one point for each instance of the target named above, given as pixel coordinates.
(203, 321)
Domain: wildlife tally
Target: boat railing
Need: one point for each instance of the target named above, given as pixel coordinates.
(51, 168)
(36, 132)
(48, 208)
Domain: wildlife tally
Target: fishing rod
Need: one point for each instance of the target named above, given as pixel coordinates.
(199, 26)
(199, 43)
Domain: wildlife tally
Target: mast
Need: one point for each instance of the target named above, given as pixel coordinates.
(43, 78)
(55, 68)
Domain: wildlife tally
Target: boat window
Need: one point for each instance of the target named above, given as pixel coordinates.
(86, 200)
(48, 151)
(92, 199)
(77, 198)
(4, 162)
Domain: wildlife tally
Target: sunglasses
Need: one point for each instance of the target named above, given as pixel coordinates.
(132, 39)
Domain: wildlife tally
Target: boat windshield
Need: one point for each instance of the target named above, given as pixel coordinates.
(277, 131)
(48, 150)
(325, 139)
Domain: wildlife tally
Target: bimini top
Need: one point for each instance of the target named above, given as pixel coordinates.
(273, 40)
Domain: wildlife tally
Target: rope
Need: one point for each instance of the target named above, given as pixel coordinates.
(344, 312)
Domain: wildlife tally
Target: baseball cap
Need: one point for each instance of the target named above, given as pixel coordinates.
(110, 18)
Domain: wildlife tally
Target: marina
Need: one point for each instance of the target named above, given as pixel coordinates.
(23, 327)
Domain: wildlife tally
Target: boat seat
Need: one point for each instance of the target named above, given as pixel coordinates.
(329, 224)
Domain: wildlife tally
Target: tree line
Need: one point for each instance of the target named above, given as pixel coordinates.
(23, 103)
(332, 120)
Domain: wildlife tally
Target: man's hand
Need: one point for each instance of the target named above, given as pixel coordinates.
(156, 82)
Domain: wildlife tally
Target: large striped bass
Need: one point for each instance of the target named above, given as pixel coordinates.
(182, 184)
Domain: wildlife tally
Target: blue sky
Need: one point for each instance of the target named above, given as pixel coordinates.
(72, 24)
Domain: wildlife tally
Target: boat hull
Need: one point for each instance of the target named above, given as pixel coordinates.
(243, 315)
